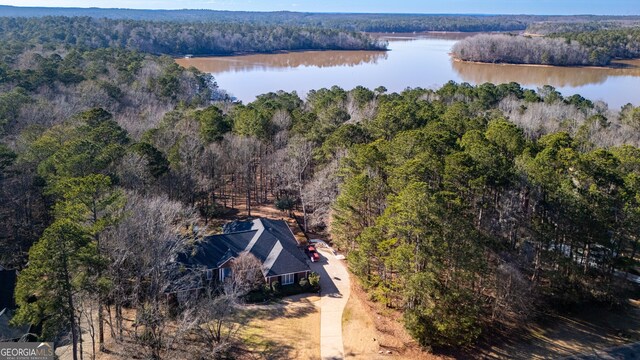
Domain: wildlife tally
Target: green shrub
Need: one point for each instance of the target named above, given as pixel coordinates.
(293, 289)
(285, 203)
(266, 288)
(314, 281)
(275, 287)
(257, 296)
(213, 211)
(304, 283)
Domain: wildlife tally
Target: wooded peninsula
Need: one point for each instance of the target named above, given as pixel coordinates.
(584, 48)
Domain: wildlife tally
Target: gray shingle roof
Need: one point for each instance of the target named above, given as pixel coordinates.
(8, 280)
(8, 332)
(271, 241)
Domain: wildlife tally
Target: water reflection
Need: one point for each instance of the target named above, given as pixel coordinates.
(430, 35)
(261, 62)
(537, 75)
(420, 60)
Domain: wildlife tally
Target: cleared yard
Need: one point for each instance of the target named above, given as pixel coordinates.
(359, 333)
(368, 330)
(286, 330)
(289, 329)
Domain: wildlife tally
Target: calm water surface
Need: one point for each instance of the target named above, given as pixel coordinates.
(414, 61)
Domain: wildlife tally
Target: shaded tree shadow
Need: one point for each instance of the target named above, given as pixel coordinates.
(300, 309)
(553, 336)
(274, 350)
(327, 285)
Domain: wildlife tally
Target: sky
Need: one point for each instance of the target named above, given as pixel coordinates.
(542, 7)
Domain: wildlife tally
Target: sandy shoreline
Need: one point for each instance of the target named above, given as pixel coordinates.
(616, 64)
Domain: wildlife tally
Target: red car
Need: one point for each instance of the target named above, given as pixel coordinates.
(312, 253)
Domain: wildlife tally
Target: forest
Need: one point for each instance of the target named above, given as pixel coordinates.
(468, 208)
(351, 22)
(551, 27)
(512, 49)
(581, 48)
(453, 205)
(175, 38)
(614, 44)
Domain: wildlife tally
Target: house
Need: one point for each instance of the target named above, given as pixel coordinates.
(8, 279)
(9, 332)
(270, 241)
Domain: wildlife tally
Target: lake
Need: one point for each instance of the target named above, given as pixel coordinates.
(413, 61)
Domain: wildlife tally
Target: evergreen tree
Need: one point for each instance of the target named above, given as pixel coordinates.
(61, 265)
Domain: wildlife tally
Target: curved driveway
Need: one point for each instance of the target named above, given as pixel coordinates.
(336, 287)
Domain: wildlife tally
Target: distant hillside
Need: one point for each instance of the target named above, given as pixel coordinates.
(172, 38)
(362, 22)
(355, 22)
(132, 14)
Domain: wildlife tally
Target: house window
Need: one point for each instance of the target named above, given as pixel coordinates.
(225, 273)
(288, 279)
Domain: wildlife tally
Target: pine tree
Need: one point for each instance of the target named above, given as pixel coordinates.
(61, 265)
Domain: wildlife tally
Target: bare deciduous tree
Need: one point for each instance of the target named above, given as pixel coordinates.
(142, 249)
(214, 317)
(322, 191)
(524, 50)
(246, 275)
(300, 152)
(513, 295)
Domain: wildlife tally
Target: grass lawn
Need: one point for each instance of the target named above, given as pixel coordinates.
(289, 329)
(359, 332)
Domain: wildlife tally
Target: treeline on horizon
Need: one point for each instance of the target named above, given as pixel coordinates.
(352, 22)
(583, 48)
(560, 26)
(174, 38)
(467, 208)
(613, 43)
